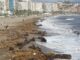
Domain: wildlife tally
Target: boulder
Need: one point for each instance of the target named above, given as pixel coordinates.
(42, 39)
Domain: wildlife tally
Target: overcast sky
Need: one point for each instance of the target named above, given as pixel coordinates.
(56, 0)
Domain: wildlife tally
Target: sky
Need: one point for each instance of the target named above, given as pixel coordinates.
(57, 0)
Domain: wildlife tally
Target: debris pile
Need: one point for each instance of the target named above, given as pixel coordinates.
(28, 55)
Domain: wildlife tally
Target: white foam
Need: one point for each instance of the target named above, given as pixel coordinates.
(70, 19)
(66, 42)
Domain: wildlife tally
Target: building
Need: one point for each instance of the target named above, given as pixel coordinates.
(36, 6)
(29, 5)
(1, 7)
(22, 4)
(11, 6)
(55, 7)
(7, 7)
(49, 7)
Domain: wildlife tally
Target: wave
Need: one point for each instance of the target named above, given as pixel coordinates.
(66, 42)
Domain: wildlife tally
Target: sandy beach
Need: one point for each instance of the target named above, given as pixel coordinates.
(12, 31)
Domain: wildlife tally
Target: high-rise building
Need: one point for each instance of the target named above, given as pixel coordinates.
(11, 6)
(8, 6)
(22, 4)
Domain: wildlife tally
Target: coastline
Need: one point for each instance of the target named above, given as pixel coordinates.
(20, 38)
(19, 32)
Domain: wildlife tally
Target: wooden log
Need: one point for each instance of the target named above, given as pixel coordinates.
(62, 56)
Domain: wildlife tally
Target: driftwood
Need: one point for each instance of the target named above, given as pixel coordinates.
(63, 56)
(39, 25)
(59, 56)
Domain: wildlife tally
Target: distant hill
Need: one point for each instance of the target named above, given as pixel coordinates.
(51, 1)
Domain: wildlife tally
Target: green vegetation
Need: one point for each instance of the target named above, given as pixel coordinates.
(25, 12)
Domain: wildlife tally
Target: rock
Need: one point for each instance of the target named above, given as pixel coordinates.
(62, 56)
(19, 45)
(39, 25)
(77, 32)
(42, 39)
(11, 48)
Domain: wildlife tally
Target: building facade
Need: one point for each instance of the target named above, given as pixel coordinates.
(7, 6)
(36, 6)
(22, 4)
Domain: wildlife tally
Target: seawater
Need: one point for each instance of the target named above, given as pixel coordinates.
(62, 38)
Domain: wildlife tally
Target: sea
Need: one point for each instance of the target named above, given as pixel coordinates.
(63, 34)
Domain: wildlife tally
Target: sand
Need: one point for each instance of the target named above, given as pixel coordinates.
(12, 30)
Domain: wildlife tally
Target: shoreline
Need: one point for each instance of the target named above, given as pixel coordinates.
(21, 38)
(13, 35)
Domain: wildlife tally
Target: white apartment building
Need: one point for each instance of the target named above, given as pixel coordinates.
(7, 6)
(22, 4)
(48, 7)
(28, 4)
(36, 6)
(55, 7)
(1, 6)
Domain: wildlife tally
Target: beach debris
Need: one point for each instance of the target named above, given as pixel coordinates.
(63, 56)
(50, 56)
(59, 56)
(30, 54)
(39, 24)
(34, 47)
(19, 45)
(42, 33)
(54, 56)
(11, 48)
(42, 39)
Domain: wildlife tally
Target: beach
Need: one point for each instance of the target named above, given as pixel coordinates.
(20, 35)
(15, 30)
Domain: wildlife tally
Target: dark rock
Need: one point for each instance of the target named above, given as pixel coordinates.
(77, 32)
(39, 25)
(42, 39)
(19, 45)
(62, 56)
(11, 48)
